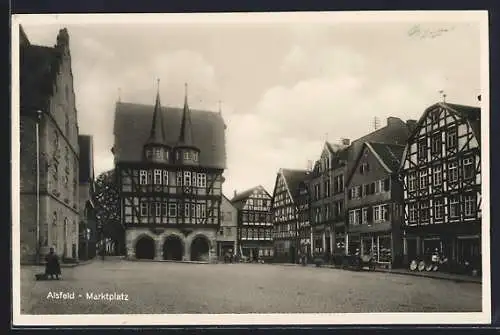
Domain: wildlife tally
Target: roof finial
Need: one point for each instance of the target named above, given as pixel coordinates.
(185, 90)
(158, 85)
(443, 95)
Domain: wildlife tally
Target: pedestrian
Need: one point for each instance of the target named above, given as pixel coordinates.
(52, 265)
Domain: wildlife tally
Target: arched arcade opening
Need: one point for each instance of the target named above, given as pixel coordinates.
(173, 248)
(145, 248)
(200, 249)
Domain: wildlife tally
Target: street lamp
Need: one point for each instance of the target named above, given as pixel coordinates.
(37, 139)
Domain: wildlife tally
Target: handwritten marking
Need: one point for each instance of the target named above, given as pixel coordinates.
(418, 31)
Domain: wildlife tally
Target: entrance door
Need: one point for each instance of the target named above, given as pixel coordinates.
(292, 254)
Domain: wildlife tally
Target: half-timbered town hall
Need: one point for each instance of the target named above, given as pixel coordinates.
(442, 185)
(169, 164)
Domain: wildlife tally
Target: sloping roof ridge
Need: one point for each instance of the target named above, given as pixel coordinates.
(369, 145)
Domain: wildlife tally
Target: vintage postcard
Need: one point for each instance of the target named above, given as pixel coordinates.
(239, 169)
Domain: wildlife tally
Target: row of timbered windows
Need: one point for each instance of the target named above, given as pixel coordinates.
(256, 217)
(360, 191)
(173, 209)
(380, 213)
(325, 214)
(256, 233)
(451, 141)
(468, 172)
(284, 213)
(338, 187)
(184, 178)
(160, 154)
(456, 205)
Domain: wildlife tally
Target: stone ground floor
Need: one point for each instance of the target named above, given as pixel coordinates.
(197, 244)
(169, 287)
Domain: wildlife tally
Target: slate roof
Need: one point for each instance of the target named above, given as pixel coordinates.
(132, 127)
(293, 178)
(390, 154)
(86, 168)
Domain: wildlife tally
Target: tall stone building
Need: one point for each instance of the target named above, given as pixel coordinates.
(227, 238)
(49, 150)
(169, 164)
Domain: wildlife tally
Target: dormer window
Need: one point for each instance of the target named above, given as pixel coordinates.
(149, 154)
(187, 155)
(195, 156)
(158, 153)
(364, 168)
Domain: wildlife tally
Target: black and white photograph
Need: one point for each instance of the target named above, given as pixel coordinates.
(251, 168)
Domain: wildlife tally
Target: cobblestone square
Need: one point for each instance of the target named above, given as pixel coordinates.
(166, 288)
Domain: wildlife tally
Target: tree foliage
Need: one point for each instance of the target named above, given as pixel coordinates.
(107, 204)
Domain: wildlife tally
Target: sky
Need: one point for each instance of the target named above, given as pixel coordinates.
(284, 87)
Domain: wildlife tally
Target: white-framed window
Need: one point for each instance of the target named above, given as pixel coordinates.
(380, 213)
(451, 138)
(364, 216)
(187, 207)
(172, 209)
(165, 177)
(187, 178)
(437, 178)
(155, 209)
(193, 179)
(468, 168)
(179, 178)
(412, 212)
(203, 211)
(424, 211)
(422, 149)
(144, 208)
(196, 156)
(376, 213)
(164, 208)
(193, 210)
(143, 177)
(469, 205)
(187, 155)
(379, 186)
(423, 178)
(452, 171)
(166, 154)
(438, 208)
(454, 207)
(412, 181)
(157, 177)
(354, 216)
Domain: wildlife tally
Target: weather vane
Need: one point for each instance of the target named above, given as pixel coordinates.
(443, 95)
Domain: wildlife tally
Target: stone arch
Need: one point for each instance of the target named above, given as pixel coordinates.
(144, 247)
(200, 248)
(173, 247)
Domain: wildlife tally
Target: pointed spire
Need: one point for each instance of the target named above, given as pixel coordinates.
(119, 94)
(157, 134)
(186, 136)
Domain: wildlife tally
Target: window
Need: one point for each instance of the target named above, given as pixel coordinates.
(172, 209)
(187, 178)
(143, 177)
(351, 217)
(149, 154)
(316, 191)
(356, 192)
(327, 212)
(327, 188)
(412, 181)
(422, 149)
(380, 213)
(187, 155)
(165, 177)
(364, 216)
(158, 153)
(424, 211)
(438, 209)
(364, 168)
(379, 186)
(193, 210)
(179, 178)
(195, 156)
(193, 179)
(423, 178)
(155, 209)
(144, 208)
(452, 172)
(202, 179)
(454, 207)
(412, 213)
(186, 210)
(164, 208)
(157, 177)
(451, 138)
(436, 145)
(435, 117)
(469, 205)
(203, 212)
(437, 175)
(468, 167)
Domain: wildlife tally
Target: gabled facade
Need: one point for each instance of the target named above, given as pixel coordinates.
(227, 237)
(285, 211)
(49, 175)
(441, 171)
(169, 164)
(374, 202)
(255, 225)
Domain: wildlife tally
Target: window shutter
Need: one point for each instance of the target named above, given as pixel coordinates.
(372, 186)
(386, 184)
(369, 216)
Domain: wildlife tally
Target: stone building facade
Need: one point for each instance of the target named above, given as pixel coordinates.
(49, 177)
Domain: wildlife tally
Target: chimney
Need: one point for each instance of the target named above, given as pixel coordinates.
(411, 124)
(393, 121)
(345, 141)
